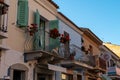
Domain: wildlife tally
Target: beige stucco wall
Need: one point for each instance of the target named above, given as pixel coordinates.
(12, 57)
(87, 42)
(16, 36)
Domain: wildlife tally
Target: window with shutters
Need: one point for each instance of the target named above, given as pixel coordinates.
(3, 16)
(22, 13)
(54, 43)
(39, 36)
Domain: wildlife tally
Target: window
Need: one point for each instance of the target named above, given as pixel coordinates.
(67, 77)
(22, 13)
(39, 36)
(79, 77)
(42, 34)
(112, 63)
(67, 48)
(90, 50)
(3, 17)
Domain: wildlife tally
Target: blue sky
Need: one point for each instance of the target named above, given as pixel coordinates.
(101, 16)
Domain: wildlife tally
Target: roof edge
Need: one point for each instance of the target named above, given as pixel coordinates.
(54, 4)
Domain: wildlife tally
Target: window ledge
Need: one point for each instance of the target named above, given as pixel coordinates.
(3, 47)
(3, 35)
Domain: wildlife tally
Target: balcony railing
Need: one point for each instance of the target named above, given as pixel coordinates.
(44, 54)
(100, 63)
(76, 54)
(114, 70)
(3, 19)
(70, 53)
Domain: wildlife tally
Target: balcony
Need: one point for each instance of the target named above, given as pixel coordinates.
(100, 64)
(43, 55)
(75, 58)
(113, 71)
(3, 19)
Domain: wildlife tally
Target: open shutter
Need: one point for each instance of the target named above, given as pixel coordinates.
(22, 13)
(54, 43)
(36, 39)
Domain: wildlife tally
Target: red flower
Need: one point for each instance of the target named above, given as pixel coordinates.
(54, 33)
(32, 29)
(64, 39)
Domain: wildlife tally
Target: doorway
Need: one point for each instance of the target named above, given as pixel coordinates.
(18, 75)
(44, 77)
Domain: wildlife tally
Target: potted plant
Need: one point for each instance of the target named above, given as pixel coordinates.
(32, 29)
(54, 33)
(64, 39)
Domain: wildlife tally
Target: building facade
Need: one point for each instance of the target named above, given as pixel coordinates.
(40, 43)
(114, 62)
(35, 38)
(27, 55)
(91, 46)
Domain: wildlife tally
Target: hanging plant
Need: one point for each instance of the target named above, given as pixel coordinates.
(64, 39)
(54, 33)
(32, 29)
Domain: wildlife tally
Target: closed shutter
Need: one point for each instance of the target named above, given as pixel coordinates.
(22, 13)
(36, 39)
(54, 43)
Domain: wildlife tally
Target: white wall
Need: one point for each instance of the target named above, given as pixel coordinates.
(74, 36)
(12, 57)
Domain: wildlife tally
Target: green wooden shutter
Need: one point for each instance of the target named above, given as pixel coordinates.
(54, 43)
(36, 39)
(22, 13)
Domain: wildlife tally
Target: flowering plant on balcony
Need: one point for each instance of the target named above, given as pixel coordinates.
(54, 33)
(64, 39)
(32, 29)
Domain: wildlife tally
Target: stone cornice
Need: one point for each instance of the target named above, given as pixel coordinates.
(48, 5)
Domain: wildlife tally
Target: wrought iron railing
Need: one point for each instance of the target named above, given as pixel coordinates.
(29, 43)
(75, 53)
(72, 52)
